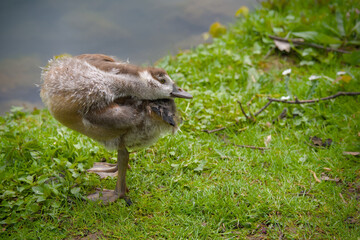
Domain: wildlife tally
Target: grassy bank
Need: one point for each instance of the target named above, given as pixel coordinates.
(200, 183)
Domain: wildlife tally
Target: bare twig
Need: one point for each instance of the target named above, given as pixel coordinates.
(315, 100)
(281, 116)
(297, 101)
(263, 108)
(244, 146)
(242, 110)
(252, 147)
(214, 130)
(299, 41)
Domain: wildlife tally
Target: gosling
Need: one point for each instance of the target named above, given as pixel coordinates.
(120, 105)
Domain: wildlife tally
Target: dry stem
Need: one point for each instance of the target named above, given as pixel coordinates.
(299, 41)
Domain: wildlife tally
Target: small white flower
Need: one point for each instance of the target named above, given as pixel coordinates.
(285, 98)
(286, 72)
(340, 73)
(314, 77)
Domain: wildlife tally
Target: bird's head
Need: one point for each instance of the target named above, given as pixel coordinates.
(161, 85)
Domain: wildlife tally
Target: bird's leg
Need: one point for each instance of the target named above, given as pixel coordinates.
(120, 190)
(123, 159)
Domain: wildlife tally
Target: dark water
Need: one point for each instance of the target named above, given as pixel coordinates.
(142, 31)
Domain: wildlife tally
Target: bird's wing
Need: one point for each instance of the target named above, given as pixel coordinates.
(115, 116)
(109, 64)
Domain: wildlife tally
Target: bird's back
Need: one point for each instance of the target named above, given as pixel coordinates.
(78, 92)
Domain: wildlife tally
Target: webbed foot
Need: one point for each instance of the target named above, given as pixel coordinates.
(108, 196)
(104, 169)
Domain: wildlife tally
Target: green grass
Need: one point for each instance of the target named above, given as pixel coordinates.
(198, 185)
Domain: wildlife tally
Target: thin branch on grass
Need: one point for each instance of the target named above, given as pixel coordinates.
(281, 116)
(297, 101)
(263, 108)
(214, 130)
(315, 100)
(244, 146)
(300, 41)
(243, 111)
(252, 147)
(271, 100)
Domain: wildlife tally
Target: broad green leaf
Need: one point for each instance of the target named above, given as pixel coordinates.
(9, 193)
(75, 191)
(331, 29)
(312, 89)
(356, 28)
(317, 37)
(340, 23)
(353, 42)
(40, 198)
(352, 58)
(38, 190)
(28, 179)
(308, 35)
(307, 63)
(200, 167)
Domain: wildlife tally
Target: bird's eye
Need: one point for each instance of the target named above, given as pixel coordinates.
(162, 81)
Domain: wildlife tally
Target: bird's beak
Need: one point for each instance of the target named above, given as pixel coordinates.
(179, 93)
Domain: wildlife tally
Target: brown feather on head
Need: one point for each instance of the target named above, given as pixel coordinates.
(158, 74)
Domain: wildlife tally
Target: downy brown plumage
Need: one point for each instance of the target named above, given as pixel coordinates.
(118, 104)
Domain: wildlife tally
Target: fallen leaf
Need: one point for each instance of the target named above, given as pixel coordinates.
(282, 46)
(342, 198)
(316, 178)
(324, 177)
(344, 78)
(327, 142)
(321, 143)
(327, 169)
(99, 167)
(351, 220)
(316, 141)
(352, 153)
(267, 140)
